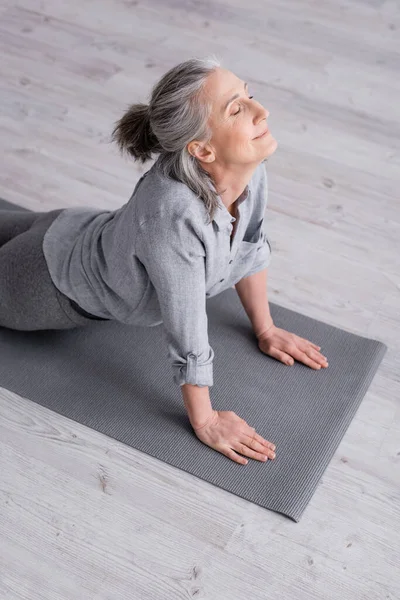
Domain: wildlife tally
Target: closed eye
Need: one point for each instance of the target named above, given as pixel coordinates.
(236, 113)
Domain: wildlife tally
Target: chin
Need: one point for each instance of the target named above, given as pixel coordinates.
(271, 148)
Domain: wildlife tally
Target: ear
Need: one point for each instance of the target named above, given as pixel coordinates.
(202, 153)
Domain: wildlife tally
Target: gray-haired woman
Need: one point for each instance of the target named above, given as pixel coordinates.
(192, 228)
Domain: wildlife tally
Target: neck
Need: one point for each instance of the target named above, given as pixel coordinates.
(230, 183)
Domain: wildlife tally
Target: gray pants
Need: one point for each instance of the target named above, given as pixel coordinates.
(29, 301)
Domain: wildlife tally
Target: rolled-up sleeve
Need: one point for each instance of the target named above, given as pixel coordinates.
(173, 255)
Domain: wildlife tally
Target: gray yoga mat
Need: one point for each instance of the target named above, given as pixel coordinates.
(117, 379)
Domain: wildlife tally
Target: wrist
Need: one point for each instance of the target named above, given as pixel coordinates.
(262, 332)
(210, 419)
(197, 403)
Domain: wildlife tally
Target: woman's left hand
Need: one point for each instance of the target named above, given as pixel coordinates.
(286, 347)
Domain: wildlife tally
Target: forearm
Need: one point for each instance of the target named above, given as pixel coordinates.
(252, 292)
(197, 403)
(253, 295)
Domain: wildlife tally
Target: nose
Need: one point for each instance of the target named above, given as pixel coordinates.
(264, 111)
(264, 115)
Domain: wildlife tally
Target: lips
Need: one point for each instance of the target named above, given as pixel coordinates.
(261, 134)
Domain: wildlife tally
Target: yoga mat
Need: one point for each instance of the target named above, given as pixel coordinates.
(117, 379)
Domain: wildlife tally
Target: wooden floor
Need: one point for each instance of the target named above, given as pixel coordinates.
(84, 517)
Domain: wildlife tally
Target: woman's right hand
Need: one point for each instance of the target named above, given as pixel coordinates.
(226, 432)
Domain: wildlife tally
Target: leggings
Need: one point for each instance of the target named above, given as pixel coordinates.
(29, 300)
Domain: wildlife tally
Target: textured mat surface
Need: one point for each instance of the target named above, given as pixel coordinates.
(117, 379)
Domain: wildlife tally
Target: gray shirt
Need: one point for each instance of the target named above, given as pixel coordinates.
(155, 260)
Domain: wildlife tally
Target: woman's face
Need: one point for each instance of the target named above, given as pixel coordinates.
(235, 123)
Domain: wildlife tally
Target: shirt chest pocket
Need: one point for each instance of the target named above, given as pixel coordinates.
(253, 240)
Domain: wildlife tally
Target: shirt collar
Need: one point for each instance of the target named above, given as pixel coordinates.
(222, 216)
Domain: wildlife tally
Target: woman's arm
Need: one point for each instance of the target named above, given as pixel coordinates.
(174, 258)
(252, 291)
(197, 403)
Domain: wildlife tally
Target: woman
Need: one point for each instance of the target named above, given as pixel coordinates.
(158, 257)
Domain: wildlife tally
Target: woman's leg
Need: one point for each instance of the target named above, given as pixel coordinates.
(15, 222)
(29, 301)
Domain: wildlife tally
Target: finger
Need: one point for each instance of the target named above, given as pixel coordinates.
(246, 451)
(282, 356)
(319, 358)
(233, 456)
(307, 342)
(259, 447)
(262, 441)
(304, 358)
(313, 345)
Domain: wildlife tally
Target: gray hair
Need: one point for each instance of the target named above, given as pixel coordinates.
(178, 113)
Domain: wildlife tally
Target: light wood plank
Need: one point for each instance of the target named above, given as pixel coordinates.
(83, 516)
